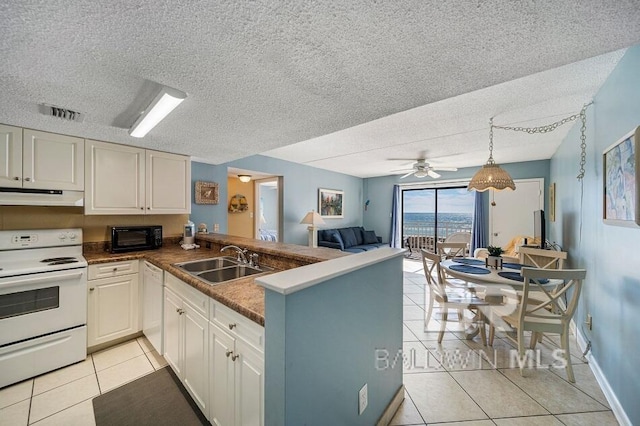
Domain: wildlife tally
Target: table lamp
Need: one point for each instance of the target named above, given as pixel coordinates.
(312, 219)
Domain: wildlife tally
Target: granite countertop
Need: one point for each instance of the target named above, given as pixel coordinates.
(241, 295)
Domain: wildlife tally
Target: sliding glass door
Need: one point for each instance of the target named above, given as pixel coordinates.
(432, 214)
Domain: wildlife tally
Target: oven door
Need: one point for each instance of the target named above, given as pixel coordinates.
(38, 304)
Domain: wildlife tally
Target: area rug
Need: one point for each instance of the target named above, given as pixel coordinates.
(156, 399)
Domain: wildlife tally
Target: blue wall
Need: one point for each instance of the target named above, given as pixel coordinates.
(321, 347)
(611, 292)
(379, 191)
(300, 188)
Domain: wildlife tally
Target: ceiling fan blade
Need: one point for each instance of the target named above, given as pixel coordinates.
(407, 175)
(433, 174)
(446, 169)
(401, 170)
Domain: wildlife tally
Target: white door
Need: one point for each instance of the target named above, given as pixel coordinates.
(196, 359)
(10, 156)
(511, 212)
(52, 161)
(172, 323)
(222, 377)
(168, 183)
(249, 385)
(152, 305)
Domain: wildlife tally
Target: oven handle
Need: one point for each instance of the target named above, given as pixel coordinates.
(41, 279)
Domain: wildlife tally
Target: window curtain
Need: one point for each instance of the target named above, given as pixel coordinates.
(479, 224)
(396, 232)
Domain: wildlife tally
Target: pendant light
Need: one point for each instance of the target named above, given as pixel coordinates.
(491, 176)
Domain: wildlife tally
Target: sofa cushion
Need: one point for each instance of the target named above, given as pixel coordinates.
(348, 237)
(358, 231)
(355, 249)
(370, 237)
(332, 235)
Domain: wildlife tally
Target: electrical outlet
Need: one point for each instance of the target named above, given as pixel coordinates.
(589, 321)
(216, 227)
(363, 399)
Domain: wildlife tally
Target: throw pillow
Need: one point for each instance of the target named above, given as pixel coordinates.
(358, 231)
(370, 237)
(348, 237)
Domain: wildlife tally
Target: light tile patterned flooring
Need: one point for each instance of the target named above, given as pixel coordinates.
(445, 384)
(453, 384)
(63, 397)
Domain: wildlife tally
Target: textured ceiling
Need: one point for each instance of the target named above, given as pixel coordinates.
(262, 75)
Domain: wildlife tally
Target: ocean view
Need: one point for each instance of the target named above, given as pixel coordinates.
(448, 223)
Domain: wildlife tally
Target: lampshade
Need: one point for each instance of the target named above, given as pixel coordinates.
(491, 176)
(164, 102)
(420, 173)
(312, 218)
(244, 178)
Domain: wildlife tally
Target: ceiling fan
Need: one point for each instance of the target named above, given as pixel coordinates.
(422, 169)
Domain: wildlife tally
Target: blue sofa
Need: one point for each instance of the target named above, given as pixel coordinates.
(354, 239)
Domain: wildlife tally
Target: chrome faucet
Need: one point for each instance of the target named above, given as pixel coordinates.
(240, 253)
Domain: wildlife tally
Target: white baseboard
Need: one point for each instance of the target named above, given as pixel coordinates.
(617, 409)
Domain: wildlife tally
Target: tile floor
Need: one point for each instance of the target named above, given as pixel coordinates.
(445, 384)
(63, 397)
(463, 382)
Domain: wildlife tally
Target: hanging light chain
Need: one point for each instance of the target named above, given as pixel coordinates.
(490, 161)
(550, 128)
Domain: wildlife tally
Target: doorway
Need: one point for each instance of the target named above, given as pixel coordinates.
(268, 201)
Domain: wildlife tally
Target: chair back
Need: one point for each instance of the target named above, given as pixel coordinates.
(433, 272)
(543, 259)
(449, 250)
(550, 304)
(459, 237)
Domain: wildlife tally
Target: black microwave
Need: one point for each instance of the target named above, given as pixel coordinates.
(134, 238)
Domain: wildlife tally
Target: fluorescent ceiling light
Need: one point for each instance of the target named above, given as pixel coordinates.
(162, 105)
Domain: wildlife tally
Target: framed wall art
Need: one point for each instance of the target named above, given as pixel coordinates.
(330, 203)
(206, 192)
(621, 181)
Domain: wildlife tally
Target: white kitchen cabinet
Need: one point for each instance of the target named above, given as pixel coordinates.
(122, 179)
(236, 352)
(40, 160)
(152, 297)
(186, 335)
(112, 309)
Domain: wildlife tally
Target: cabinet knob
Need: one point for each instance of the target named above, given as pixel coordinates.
(91, 288)
(16, 178)
(232, 326)
(228, 353)
(148, 208)
(141, 208)
(234, 357)
(27, 179)
(115, 269)
(180, 311)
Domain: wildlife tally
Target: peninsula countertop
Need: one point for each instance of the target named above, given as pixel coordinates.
(241, 295)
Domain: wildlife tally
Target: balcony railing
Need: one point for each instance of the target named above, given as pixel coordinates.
(421, 235)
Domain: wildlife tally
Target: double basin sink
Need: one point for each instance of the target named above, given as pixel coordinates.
(220, 269)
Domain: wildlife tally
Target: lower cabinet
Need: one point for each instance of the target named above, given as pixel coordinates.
(186, 334)
(217, 353)
(112, 305)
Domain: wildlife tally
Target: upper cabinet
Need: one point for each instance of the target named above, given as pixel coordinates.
(40, 160)
(127, 180)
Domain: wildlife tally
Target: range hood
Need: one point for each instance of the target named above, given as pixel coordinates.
(40, 197)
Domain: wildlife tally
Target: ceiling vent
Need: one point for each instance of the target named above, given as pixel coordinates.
(62, 113)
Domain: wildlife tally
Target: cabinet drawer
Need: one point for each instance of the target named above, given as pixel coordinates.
(197, 299)
(237, 325)
(113, 269)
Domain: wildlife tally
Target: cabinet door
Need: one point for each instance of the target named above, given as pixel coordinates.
(168, 183)
(10, 156)
(51, 161)
(172, 335)
(196, 359)
(152, 305)
(112, 308)
(115, 179)
(221, 377)
(249, 398)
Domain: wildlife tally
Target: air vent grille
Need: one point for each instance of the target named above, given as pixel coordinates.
(62, 113)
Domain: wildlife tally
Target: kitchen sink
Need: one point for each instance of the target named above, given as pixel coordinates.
(220, 269)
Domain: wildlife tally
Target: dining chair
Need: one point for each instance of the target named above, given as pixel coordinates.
(451, 249)
(543, 259)
(551, 315)
(458, 299)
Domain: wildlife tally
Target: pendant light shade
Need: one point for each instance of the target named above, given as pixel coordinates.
(491, 176)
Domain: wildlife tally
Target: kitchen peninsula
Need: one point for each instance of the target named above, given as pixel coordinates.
(326, 315)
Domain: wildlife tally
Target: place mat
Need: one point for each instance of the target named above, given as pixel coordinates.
(512, 265)
(517, 277)
(467, 261)
(155, 399)
(469, 269)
